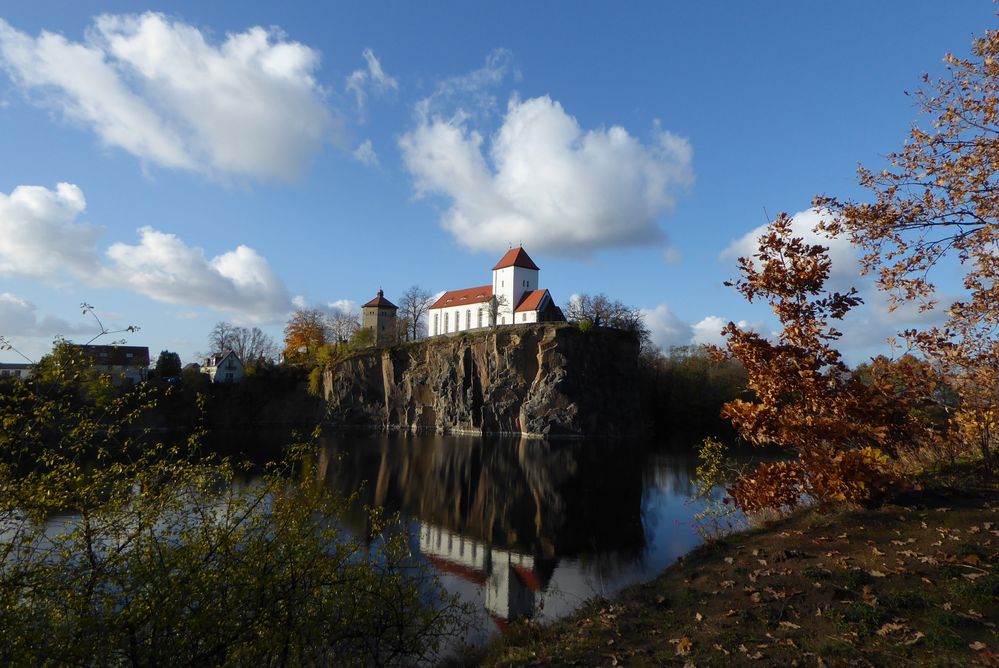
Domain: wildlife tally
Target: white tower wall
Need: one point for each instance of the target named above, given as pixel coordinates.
(511, 283)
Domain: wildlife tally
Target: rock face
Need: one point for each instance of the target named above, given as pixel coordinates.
(540, 380)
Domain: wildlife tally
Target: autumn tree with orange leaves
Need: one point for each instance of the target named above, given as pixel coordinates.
(937, 203)
(843, 430)
(307, 331)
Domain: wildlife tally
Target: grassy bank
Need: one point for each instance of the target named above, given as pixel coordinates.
(914, 582)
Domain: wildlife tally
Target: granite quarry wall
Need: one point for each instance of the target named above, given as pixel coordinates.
(537, 380)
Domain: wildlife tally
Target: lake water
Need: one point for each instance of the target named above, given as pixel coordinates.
(520, 527)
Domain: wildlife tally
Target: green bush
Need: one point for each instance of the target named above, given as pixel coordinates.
(119, 549)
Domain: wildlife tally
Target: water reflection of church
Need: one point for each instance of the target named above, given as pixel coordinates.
(523, 524)
(512, 580)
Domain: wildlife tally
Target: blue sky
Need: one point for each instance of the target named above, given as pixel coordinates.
(229, 161)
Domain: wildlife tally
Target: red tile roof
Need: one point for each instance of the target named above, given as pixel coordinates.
(380, 302)
(531, 301)
(527, 576)
(464, 572)
(483, 293)
(516, 257)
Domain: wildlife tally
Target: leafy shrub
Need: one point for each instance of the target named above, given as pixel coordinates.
(119, 549)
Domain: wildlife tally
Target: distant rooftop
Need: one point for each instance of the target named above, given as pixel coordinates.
(516, 257)
(117, 355)
(380, 302)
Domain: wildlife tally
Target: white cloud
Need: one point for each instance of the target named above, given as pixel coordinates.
(866, 328)
(39, 235)
(358, 81)
(666, 328)
(19, 317)
(160, 90)
(844, 271)
(708, 330)
(672, 255)
(548, 183)
(470, 94)
(40, 238)
(344, 306)
(164, 268)
(365, 154)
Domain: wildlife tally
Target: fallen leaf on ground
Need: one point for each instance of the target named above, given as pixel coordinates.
(890, 627)
(683, 646)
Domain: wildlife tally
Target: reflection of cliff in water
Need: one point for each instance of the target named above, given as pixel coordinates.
(545, 499)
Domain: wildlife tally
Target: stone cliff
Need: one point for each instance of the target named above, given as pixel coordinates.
(537, 380)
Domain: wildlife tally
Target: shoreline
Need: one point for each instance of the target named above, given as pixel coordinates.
(914, 581)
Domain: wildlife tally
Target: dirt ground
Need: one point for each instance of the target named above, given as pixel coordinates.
(912, 583)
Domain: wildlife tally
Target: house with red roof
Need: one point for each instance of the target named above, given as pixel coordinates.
(513, 298)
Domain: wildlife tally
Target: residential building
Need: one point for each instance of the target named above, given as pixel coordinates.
(224, 367)
(16, 370)
(126, 365)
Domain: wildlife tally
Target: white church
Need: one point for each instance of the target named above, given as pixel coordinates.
(513, 298)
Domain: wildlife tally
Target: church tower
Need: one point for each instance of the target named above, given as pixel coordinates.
(513, 276)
